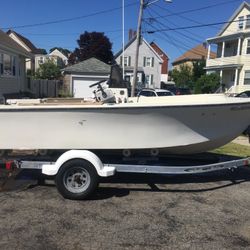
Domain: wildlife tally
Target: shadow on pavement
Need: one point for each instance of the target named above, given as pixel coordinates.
(123, 183)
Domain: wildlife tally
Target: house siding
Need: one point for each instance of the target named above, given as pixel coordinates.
(231, 62)
(14, 84)
(144, 51)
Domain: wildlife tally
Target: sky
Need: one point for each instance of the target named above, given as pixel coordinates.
(59, 23)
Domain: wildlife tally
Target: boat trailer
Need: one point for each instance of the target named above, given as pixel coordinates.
(77, 172)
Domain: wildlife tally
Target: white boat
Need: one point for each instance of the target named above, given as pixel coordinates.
(176, 124)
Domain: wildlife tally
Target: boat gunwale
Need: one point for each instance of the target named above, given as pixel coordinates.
(18, 108)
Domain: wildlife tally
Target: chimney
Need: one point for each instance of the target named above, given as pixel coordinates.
(131, 34)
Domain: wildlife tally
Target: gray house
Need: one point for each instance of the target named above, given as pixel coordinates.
(79, 76)
(149, 64)
(12, 66)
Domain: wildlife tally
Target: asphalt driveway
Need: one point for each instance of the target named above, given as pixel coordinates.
(130, 212)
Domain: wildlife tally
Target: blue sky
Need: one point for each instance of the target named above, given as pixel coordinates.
(105, 16)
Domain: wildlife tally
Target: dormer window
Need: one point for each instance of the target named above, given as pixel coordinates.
(241, 22)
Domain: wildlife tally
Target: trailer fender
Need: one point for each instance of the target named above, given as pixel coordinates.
(103, 171)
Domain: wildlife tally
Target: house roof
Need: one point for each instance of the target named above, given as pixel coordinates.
(89, 66)
(197, 53)
(156, 45)
(62, 55)
(8, 43)
(237, 11)
(27, 42)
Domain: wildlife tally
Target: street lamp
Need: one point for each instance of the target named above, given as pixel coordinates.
(143, 5)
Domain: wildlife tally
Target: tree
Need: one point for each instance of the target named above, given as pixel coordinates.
(198, 69)
(48, 71)
(92, 44)
(183, 76)
(207, 83)
(66, 52)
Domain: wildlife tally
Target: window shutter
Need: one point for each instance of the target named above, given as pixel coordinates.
(121, 60)
(144, 61)
(152, 62)
(129, 61)
(152, 80)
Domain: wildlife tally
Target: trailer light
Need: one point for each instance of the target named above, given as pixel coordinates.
(8, 165)
(246, 163)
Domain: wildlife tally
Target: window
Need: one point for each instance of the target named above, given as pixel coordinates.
(248, 22)
(126, 61)
(7, 65)
(147, 93)
(148, 62)
(149, 79)
(241, 22)
(41, 60)
(1, 64)
(248, 47)
(247, 77)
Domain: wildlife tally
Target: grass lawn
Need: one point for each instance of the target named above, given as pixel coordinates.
(233, 149)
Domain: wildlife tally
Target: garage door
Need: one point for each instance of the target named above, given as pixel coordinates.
(81, 88)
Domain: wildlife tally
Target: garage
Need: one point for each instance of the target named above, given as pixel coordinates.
(79, 76)
(80, 86)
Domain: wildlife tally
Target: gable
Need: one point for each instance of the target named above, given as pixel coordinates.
(233, 25)
(145, 50)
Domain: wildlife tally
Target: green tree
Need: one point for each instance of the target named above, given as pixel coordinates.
(207, 83)
(92, 44)
(198, 69)
(48, 71)
(183, 76)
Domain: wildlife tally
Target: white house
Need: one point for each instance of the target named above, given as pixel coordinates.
(12, 66)
(39, 57)
(233, 51)
(149, 64)
(59, 54)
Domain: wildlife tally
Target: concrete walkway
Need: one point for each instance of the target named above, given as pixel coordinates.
(242, 140)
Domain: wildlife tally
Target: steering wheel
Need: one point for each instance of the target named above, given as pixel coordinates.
(97, 83)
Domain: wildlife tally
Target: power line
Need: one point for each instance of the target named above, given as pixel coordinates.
(66, 34)
(178, 32)
(68, 19)
(198, 9)
(193, 26)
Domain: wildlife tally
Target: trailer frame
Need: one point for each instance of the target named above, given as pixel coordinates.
(77, 172)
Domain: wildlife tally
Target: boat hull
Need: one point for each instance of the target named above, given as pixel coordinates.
(182, 129)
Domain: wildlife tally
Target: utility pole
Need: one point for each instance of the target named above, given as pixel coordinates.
(138, 40)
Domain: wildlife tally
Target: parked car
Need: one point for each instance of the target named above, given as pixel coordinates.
(155, 92)
(244, 94)
(177, 90)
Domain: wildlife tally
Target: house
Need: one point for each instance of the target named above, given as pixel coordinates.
(165, 60)
(28, 46)
(39, 56)
(233, 52)
(195, 54)
(59, 54)
(79, 76)
(12, 66)
(41, 59)
(150, 63)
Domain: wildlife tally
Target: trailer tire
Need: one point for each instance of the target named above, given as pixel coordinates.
(77, 179)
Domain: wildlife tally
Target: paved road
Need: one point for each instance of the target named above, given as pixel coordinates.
(130, 212)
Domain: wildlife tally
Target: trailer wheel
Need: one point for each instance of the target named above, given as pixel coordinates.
(77, 179)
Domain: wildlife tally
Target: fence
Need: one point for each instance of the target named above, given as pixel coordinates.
(44, 88)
